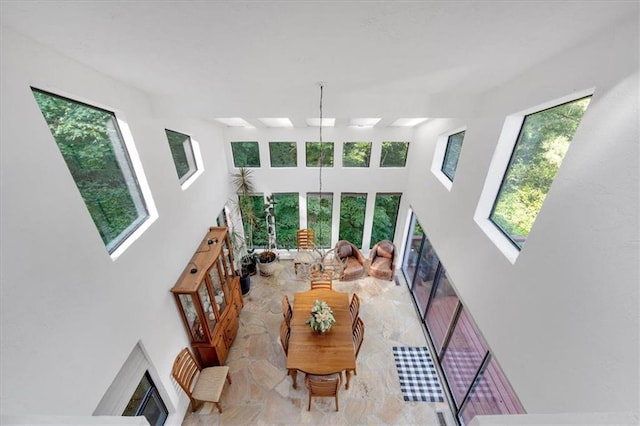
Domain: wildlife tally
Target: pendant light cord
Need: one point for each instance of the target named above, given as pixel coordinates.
(321, 164)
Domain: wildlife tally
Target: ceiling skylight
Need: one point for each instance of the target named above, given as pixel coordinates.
(407, 122)
(276, 122)
(326, 122)
(364, 122)
(235, 122)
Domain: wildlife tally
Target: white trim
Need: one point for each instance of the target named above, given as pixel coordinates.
(439, 154)
(126, 381)
(498, 168)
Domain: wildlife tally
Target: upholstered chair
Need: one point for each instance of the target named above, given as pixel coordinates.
(382, 260)
(352, 259)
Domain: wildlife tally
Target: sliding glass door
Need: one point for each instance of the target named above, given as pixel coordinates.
(473, 377)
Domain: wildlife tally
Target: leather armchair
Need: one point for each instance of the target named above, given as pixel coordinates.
(351, 258)
(382, 259)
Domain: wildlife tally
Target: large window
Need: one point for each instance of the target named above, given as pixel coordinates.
(356, 154)
(254, 220)
(318, 153)
(539, 150)
(182, 153)
(287, 217)
(394, 154)
(471, 373)
(319, 217)
(245, 154)
(146, 401)
(93, 148)
(283, 154)
(385, 215)
(452, 154)
(352, 212)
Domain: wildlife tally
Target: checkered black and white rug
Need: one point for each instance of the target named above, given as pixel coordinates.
(418, 377)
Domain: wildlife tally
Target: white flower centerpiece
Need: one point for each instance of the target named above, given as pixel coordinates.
(321, 318)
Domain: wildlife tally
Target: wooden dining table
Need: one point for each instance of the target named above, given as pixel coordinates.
(321, 354)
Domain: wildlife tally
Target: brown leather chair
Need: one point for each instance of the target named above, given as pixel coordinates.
(382, 259)
(352, 259)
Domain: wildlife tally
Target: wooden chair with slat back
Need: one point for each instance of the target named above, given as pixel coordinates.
(200, 384)
(287, 312)
(306, 245)
(285, 333)
(354, 309)
(358, 337)
(323, 386)
(321, 283)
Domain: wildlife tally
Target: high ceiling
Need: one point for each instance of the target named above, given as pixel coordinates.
(252, 59)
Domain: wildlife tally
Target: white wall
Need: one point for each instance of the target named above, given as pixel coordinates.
(563, 320)
(70, 314)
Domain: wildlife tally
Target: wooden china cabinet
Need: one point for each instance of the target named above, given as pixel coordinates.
(209, 298)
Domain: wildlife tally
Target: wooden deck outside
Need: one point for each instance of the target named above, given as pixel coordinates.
(465, 351)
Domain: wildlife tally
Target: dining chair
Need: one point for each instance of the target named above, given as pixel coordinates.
(358, 337)
(354, 309)
(287, 312)
(321, 283)
(285, 333)
(200, 384)
(323, 386)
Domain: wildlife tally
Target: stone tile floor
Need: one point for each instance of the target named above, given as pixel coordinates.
(261, 392)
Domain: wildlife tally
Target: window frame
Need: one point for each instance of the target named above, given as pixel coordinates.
(324, 164)
(130, 157)
(189, 154)
(233, 154)
(152, 393)
(295, 157)
(499, 165)
(439, 156)
(447, 153)
(406, 154)
(356, 143)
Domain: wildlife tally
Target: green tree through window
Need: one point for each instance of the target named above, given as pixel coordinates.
(182, 153)
(385, 215)
(92, 146)
(394, 154)
(256, 223)
(356, 154)
(319, 217)
(245, 154)
(287, 217)
(452, 154)
(352, 212)
(541, 146)
(283, 154)
(314, 149)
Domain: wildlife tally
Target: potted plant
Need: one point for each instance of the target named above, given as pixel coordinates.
(242, 241)
(266, 259)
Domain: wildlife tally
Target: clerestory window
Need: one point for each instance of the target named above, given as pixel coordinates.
(182, 153)
(93, 148)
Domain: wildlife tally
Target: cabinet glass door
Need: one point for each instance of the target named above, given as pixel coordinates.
(192, 317)
(217, 281)
(226, 259)
(205, 298)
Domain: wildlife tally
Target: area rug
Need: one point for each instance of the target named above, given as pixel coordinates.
(418, 377)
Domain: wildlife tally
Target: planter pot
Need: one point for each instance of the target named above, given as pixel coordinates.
(267, 263)
(245, 284)
(249, 264)
(267, 269)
